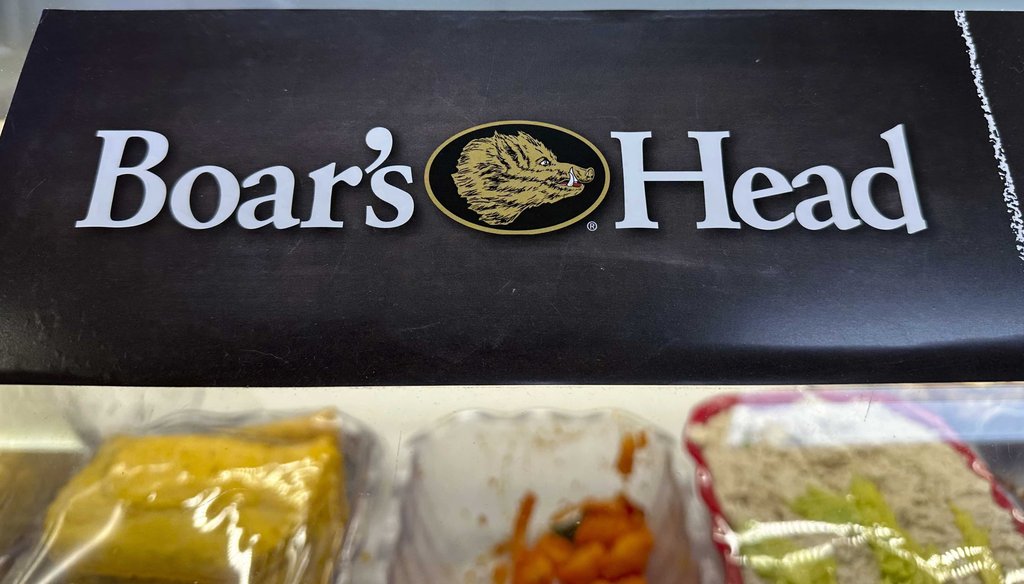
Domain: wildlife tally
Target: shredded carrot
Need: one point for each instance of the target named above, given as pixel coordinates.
(526, 505)
(500, 574)
(627, 450)
(641, 439)
(616, 506)
(610, 544)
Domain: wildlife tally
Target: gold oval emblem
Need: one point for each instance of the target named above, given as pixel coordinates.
(517, 177)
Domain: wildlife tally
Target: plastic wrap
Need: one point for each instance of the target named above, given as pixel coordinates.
(466, 479)
(935, 474)
(200, 497)
(851, 486)
(28, 481)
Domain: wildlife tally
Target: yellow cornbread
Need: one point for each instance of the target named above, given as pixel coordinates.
(261, 504)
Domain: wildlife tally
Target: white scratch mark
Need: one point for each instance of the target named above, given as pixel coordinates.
(35, 188)
(398, 455)
(419, 328)
(265, 354)
(1009, 189)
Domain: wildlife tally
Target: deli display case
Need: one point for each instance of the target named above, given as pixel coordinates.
(488, 294)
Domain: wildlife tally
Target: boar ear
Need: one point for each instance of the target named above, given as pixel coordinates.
(504, 150)
(523, 135)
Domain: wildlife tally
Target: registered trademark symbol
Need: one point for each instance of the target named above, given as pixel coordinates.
(592, 226)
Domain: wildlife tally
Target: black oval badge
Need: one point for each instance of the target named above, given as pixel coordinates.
(517, 177)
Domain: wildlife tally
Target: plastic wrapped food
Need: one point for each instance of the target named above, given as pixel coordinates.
(28, 482)
(450, 530)
(848, 487)
(257, 504)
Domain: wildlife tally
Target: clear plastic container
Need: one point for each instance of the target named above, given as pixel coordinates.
(360, 448)
(853, 486)
(464, 480)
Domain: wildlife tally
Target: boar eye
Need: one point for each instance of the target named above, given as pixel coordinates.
(544, 162)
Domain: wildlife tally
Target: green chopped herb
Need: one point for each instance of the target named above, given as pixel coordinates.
(874, 510)
(974, 536)
(567, 528)
(824, 505)
(897, 554)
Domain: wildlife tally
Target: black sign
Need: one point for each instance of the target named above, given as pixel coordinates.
(306, 198)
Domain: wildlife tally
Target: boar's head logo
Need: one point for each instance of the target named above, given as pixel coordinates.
(517, 177)
(501, 176)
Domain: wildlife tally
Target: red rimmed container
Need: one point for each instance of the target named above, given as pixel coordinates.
(896, 403)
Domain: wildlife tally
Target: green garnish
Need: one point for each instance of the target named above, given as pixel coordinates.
(824, 505)
(899, 558)
(865, 505)
(821, 571)
(872, 509)
(567, 529)
(974, 536)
